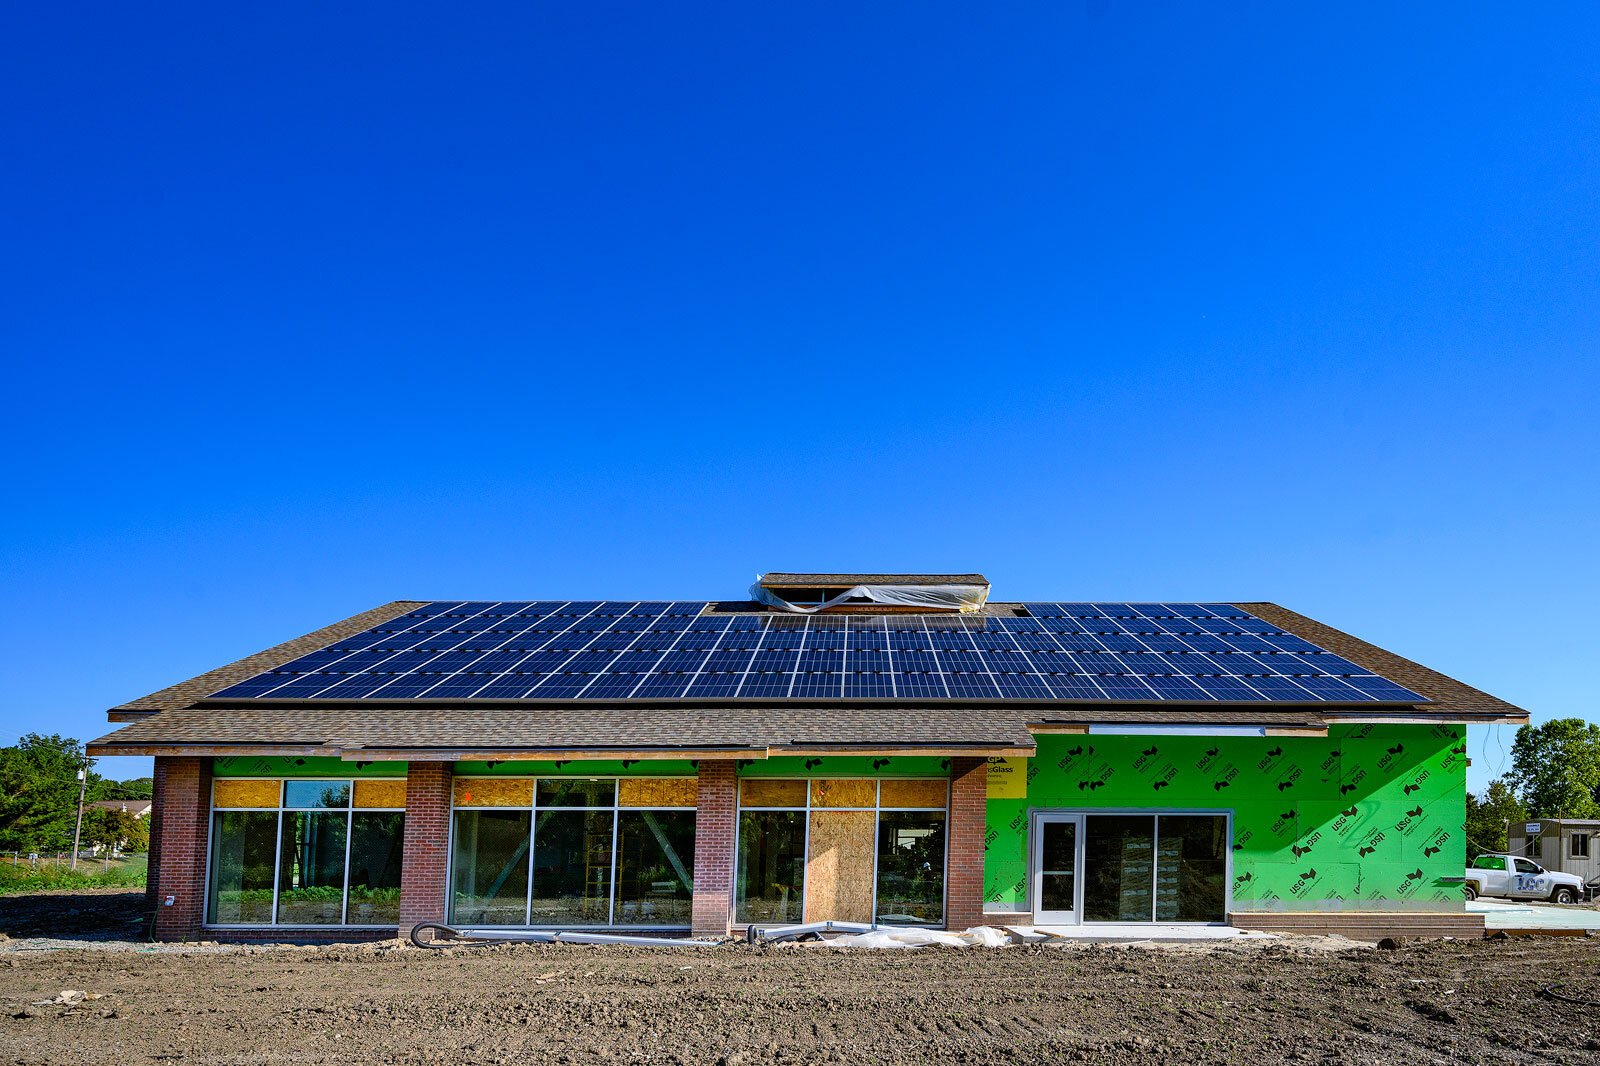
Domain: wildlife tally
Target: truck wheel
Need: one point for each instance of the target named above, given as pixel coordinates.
(1563, 895)
(1472, 892)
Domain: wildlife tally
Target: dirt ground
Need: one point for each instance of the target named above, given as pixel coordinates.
(1266, 1001)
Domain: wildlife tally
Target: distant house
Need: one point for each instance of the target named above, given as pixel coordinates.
(137, 808)
(1570, 845)
(886, 748)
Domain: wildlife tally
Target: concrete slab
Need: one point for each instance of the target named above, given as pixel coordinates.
(1535, 917)
(1148, 931)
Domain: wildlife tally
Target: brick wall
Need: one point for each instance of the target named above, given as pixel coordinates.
(178, 858)
(154, 856)
(969, 786)
(427, 845)
(715, 828)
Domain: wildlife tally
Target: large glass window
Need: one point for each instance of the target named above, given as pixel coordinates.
(573, 851)
(305, 852)
(311, 867)
(1191, 868)
(572, 868)
(491, 867)
(848, 849)
(772, 867)
(244, 852)
(1118, 857)
(911, 867)
(376, 841)
(1146, 867)
(655, 852)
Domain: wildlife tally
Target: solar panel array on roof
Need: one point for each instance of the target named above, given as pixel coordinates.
(655, 650)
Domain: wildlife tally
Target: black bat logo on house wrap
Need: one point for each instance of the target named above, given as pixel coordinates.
(1429, 852)
(812, 764)
(1462, 750)
(1220, 785)
(1288, 814)
(1346, 789)
(1397, 749)
(1351, 813)
(1211, 752)
(1283, 785)
(1075, 751)
(1415, 812)
(879, 764)
(1364, 852)
(1151, 750)
(1415, 875)
(1412, 788)
(1090, 785)
(1275, 752)
(1242, 878)
(1299, 851)
(1159, 785)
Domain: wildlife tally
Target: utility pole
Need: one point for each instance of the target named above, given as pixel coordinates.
(77, 830)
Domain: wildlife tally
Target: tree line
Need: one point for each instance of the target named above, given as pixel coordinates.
(39, 799)
(1555, 773)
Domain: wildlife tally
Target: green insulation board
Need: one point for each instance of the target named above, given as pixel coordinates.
(1369, 817)
(580, 768)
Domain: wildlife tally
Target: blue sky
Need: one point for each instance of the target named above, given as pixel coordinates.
(307, 309)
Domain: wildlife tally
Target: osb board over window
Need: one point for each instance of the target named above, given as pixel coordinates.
(245, 793)
(657, 792)
(779, 792)
(830, 792)
(839, 867)
(914, 792)
(380, 794)
(494, 792)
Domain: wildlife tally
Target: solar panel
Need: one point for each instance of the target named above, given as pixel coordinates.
(667, 650)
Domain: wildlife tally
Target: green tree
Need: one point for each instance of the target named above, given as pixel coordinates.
(1555, 768)
(111, 828)
(1487, 816)
(39, 792)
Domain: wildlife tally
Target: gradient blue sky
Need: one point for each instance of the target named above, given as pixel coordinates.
(307, 309)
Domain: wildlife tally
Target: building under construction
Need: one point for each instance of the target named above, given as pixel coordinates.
(884, 748)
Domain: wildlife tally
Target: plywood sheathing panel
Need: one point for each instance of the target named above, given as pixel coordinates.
(494, 791)
(245, 793)
(914, 792)
(657, 792)
(827, 792)
(380, 793)
(775, 792)
(839, 866)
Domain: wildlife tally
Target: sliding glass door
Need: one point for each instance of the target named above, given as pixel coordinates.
(1130, 867)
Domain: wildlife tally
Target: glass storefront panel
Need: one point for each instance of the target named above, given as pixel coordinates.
(1191, 868)
(655, 867)
(911, 867)
(311, 868)
(572, 867)
(325, 794)
(376, 840)
(244, 850)
(772, 867)
(490, 867)
(1118, 870)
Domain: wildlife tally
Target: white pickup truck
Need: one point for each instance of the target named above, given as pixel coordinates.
(1513, 877)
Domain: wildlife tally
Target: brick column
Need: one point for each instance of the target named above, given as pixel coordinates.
(715, 829)
(178, 860)
(426, 857)
(969, 784)
(153, 856)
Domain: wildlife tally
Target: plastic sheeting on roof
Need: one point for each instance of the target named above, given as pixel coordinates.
(967, 599)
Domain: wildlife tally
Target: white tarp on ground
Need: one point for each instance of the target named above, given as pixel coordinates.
(964, 598)
(982, 936)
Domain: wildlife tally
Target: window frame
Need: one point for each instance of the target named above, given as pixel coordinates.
(533, 808)
(877, 810)
(278, 810)
(1573, 851)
